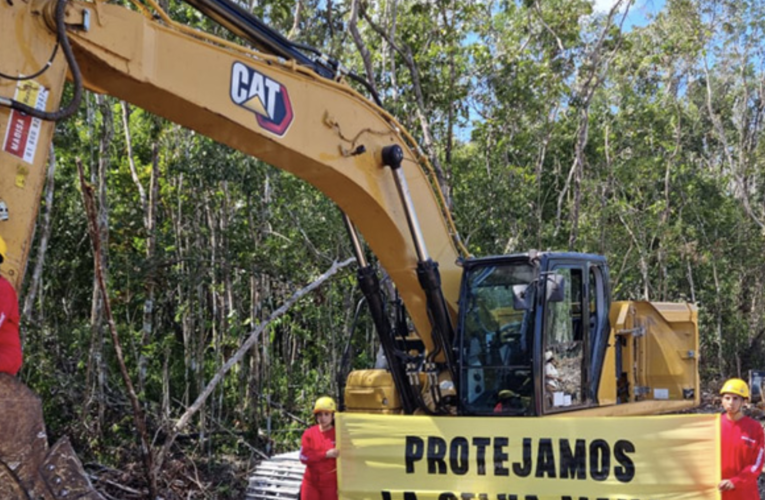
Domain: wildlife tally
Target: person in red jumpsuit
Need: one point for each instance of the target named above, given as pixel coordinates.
(741, 445)
(10, 344)
(319, 454)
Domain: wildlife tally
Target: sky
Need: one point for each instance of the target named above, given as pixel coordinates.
(640, 11)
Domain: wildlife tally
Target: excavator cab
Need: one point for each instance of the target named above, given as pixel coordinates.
(533, 331)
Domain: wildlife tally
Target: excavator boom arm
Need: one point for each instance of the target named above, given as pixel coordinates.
(318, 129)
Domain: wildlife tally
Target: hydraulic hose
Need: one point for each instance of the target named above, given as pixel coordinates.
(74, 104)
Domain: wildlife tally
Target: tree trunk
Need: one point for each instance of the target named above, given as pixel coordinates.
(35, 286)
(97, 369)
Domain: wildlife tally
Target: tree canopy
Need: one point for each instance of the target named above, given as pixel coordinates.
(551, 126)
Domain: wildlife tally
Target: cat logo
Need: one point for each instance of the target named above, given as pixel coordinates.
(265, 97)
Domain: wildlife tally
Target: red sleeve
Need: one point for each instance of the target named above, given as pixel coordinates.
(313, 448)
(755, 455)
(10, 345)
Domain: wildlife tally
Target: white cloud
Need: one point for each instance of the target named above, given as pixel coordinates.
(640, 11)
(603, 5)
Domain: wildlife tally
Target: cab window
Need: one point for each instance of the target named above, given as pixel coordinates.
(566, 330)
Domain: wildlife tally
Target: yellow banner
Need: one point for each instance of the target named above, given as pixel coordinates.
(387, 457)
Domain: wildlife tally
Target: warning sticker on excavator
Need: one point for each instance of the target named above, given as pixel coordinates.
(385, 457)
(23, 133)
(265, 97)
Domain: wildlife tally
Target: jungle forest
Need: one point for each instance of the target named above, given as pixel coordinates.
(551, 125)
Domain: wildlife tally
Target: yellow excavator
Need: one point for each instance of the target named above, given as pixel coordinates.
(530, 334)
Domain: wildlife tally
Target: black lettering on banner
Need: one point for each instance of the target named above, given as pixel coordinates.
(573, 465)
(458, 456)
(502, 496)
(545, 459)
(408, 495)
(570, 460)
(447, 495)
(600, 460)
(471, 496)
(500, 457)
(480, 455)
(415, 448)
(523, 470)
(436, 455)
(625, 472)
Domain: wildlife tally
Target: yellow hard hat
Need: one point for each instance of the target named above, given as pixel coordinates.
(3, 248)
(325, 403)
(735, 386)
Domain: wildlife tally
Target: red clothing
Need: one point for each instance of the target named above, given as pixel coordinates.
(10, 344)
(742, 454)
(320, 477)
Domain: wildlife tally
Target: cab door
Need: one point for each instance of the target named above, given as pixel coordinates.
(572, 332)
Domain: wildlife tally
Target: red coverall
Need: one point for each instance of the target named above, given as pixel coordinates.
(320, 477)
(742, 456)
(10, 344)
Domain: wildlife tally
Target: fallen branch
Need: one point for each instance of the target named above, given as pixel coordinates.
(253, 337)
(121, 487)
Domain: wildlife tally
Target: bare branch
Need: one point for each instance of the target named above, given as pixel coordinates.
(365, 55)
(584, 93)
(35, 286)
(252, 338)
(428, 142)
(138, 416)
(295, 30)
(131, 160)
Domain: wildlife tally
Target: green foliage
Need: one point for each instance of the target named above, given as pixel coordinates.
(668, 186)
